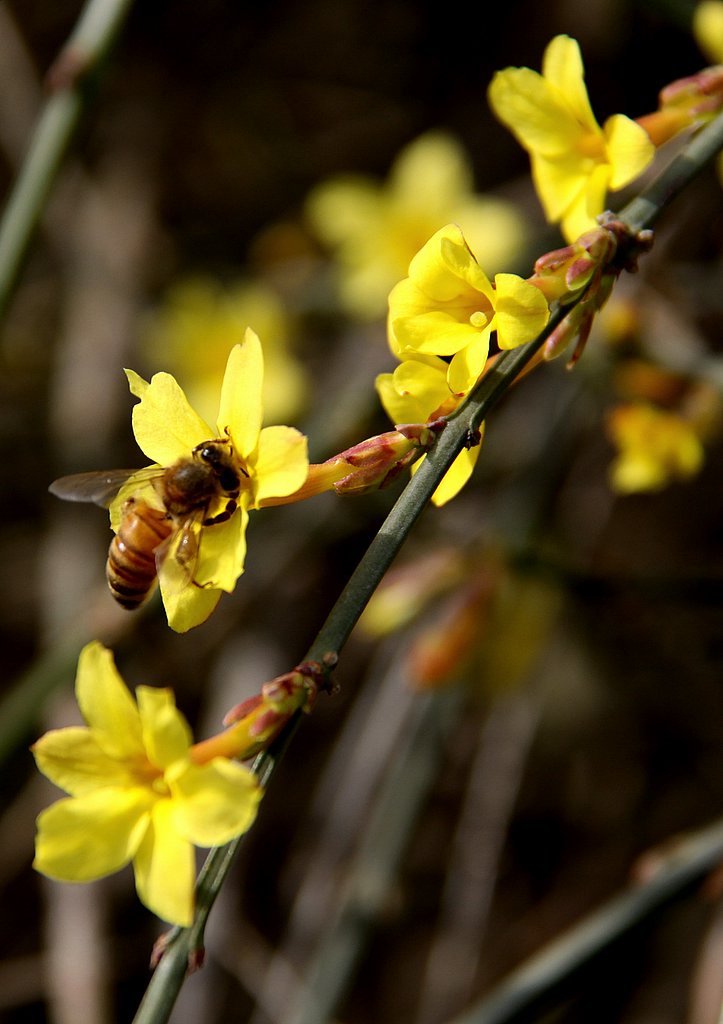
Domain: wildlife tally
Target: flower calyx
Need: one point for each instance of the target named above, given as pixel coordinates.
(590, 266)
(686, 103)
(255, 723)
(376, 462)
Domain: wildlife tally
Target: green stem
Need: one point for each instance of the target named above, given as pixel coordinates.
(640, 213)
(78, 61)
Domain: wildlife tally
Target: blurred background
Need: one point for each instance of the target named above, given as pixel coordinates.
(533, 703)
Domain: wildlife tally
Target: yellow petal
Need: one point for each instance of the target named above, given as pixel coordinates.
(435, 271)
(457, 258)
(414, 391)
(708, 29)
(282, 462)
(164, 868)
(534, 111)
(106, 703)
(431, 174)
(466, 366)
(215, 802)
(223, 552)
(434, 333)
(241, 411)
(582, 213)
(165, 426)
(188, 607)
(72, 759)
(559, 183)
(521, 311)
(629, 150)
(83, 838)
(562, 66)
(166, 735)
(456, 476)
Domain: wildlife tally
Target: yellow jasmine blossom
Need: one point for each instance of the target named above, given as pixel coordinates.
(447, 306)
(198, 321)
(708, 29)
(136, 794)
(418, 392)
(574, 160)
(264, 464)
(655, 447)
(375, 229)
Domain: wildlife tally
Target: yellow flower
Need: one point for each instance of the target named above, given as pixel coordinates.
(574, 160)
(418, 392)
(708, 29)
(265, 463)
(191, 332)
(136, 794)
(375, 229)
(655, 447)
(448, 307)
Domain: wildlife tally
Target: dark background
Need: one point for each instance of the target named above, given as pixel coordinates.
(211, 123)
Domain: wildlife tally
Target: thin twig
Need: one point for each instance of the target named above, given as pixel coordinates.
(691, 858)
(75, 67)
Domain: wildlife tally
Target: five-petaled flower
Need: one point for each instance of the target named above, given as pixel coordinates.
(654, 447)
(375, 228)
(447, 306)
(136, 792)
(267, 463)
(574, 160)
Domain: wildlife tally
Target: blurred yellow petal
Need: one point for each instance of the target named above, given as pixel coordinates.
(83, 838)
(166, 735)
(456, 476)
(562, 66)
(106, 703)
(164, 868)
(215, 802)
(629, 150)
(708, 29)
(530, 108)
(72, 759)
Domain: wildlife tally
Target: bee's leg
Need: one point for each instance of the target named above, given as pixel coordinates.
(222, 517)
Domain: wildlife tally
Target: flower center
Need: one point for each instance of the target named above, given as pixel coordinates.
(592, 145)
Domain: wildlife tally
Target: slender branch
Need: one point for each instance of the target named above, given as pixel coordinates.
(640, 213)
(688, 861)
(69, 77)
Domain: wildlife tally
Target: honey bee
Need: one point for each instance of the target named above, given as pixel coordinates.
(150, 537)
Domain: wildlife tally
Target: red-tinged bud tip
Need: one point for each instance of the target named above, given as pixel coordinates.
(242, 710)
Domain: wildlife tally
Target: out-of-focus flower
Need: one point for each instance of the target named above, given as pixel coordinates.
(375, 229)
(408, 589)
(574, 160)
(137, 795)
(199, 321)
(655, 447)
(447, 306)
(708, 29)
(263, 463)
